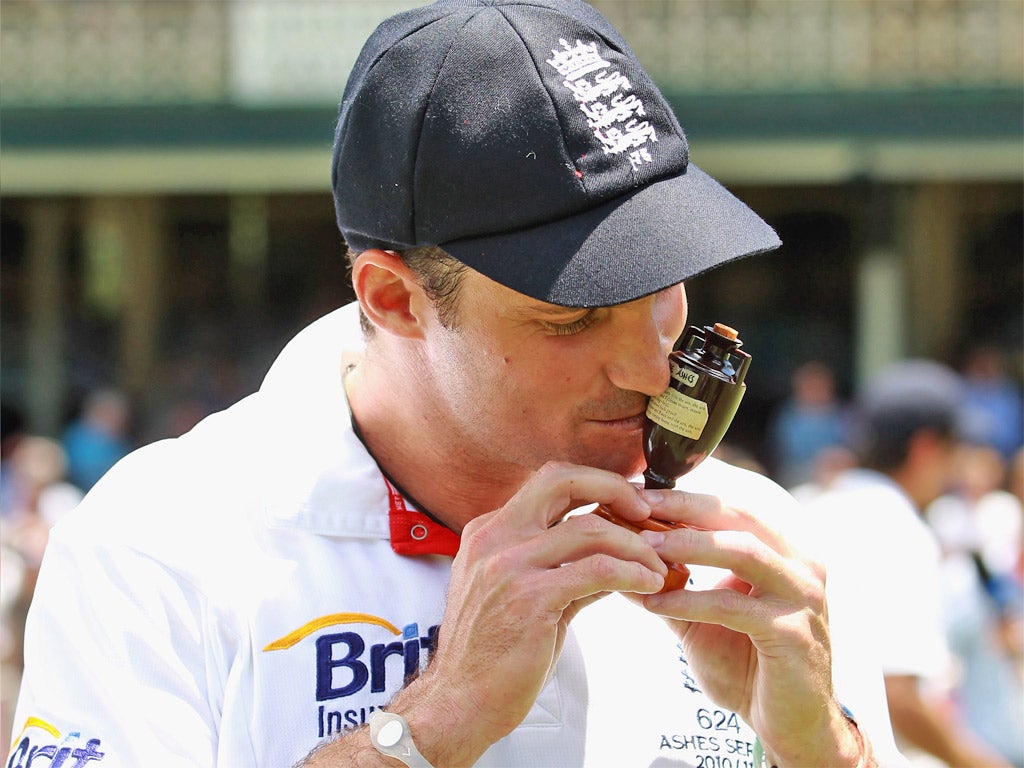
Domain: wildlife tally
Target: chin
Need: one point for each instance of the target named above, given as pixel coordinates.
(634, 470)
(625, 466)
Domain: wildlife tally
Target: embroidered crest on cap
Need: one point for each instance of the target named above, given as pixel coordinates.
(612, 112)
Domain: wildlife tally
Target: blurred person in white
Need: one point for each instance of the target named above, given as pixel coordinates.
(979, 526)
(1015, 484)
(880, 552)
(37, 467)
(981, 516)
(828, 466)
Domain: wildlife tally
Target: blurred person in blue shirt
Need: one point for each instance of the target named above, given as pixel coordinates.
(992, 401)
(98, 439)
(810, 421)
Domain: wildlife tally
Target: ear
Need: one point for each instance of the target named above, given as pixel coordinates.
(389, 294)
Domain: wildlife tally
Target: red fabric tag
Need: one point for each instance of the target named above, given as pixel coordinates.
(413, 533)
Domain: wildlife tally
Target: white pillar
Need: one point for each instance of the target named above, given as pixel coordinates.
(124, 240)
(248, 250)
(880, 311)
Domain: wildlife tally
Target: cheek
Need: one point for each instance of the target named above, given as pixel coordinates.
(538, 388)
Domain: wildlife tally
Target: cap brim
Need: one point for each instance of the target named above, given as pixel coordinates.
(629, 247)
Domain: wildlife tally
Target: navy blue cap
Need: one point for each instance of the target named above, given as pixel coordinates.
(524, 138)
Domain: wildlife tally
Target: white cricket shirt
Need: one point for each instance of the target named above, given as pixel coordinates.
(234, 596)
(885, 568)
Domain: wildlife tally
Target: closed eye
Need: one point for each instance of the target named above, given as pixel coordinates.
(570, 328)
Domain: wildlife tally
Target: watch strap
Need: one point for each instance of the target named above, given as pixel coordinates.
(390, 735)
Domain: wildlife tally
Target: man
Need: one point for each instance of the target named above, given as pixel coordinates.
(387, 529)
(883, 556)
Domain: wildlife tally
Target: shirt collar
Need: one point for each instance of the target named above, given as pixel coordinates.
(326, 482)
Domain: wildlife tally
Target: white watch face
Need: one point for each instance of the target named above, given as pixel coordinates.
(390, 733)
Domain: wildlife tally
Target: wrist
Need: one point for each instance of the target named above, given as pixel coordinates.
(443, 728)
(842, 744)
(865, 754)
(391, 736)
(846, 738)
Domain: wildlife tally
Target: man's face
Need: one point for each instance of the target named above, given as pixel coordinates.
(520, 382)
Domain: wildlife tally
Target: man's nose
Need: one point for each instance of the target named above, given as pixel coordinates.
(647, 329)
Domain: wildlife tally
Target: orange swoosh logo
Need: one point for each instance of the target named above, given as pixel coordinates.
(327, 621)
(35, 722)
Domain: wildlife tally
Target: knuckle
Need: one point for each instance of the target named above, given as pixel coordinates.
(745, 544)
(817, 568)
(496, 568)
(642, 574)
(744, 514)
(476, 536)
(714, 503)
(552, 470)
(603, 567)
(590, 526)
(816, 623)
(705, 501)
(791, 628)
(471, 530)
(815, 591)
(555, 475)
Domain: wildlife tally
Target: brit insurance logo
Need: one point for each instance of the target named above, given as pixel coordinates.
(354, 674)
(39, 741)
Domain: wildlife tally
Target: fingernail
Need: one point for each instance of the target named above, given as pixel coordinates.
(654, 496)
(654, 538)
(644, 500)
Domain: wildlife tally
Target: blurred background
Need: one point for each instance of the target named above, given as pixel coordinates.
(167, 222)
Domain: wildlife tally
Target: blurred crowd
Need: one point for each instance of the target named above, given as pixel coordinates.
(43, 478)
(916, 486)
(961, 553)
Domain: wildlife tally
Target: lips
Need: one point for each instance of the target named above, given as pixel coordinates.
(619, 409)
(630, 420)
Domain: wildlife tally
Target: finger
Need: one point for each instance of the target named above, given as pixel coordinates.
(585, 535)
(584, 579)
(517, 565)
(724, 607)
(740, 552)
(770, 624)
(704, 511)
(557, 487)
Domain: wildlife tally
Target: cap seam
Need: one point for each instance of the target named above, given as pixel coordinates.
(423, 119)
(339, 136)
(580, 180)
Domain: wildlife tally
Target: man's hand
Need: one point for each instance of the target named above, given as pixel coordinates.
(518, 580)
(759, 641)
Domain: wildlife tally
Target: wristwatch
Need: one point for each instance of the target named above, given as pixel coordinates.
(390, 735)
